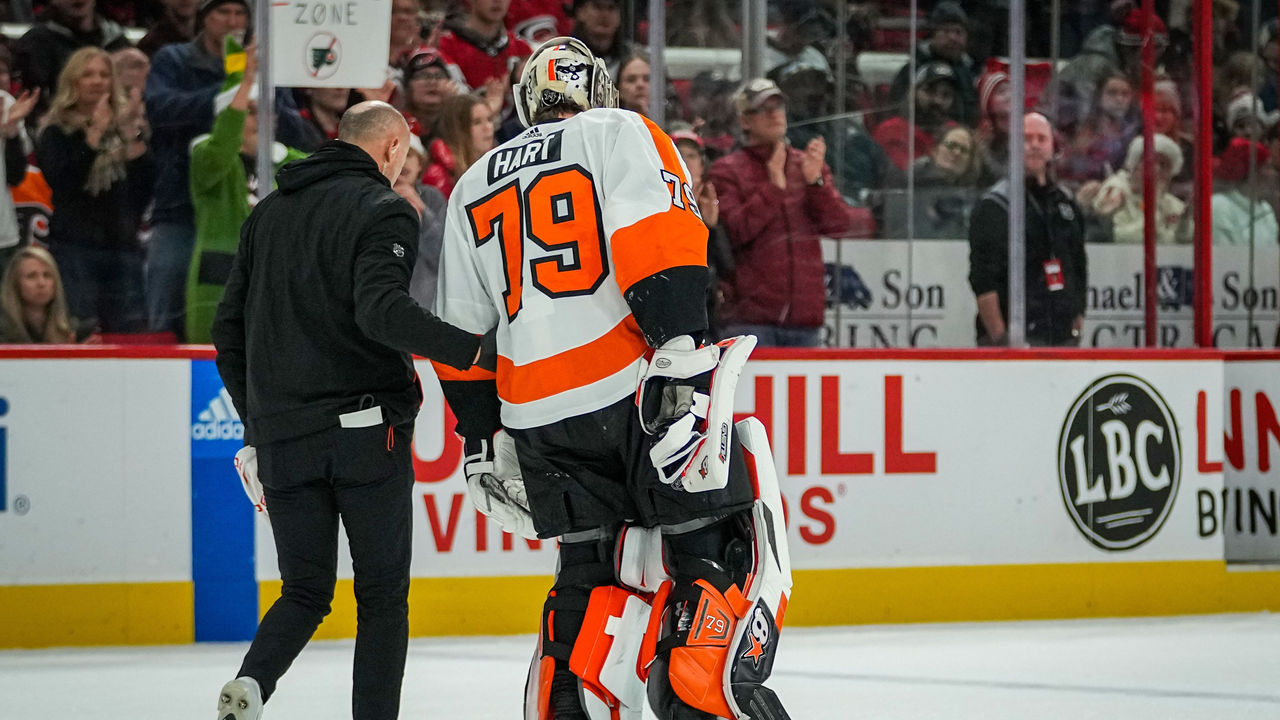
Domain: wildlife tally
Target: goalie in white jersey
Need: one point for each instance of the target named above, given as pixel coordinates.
(580, 246)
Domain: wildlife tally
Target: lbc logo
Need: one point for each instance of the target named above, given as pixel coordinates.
(1119, 462)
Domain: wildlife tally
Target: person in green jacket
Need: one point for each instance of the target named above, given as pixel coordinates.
(224, 186)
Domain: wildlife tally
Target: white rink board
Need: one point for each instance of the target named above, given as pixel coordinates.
(99, 471)
(993, 497)
(920, 295)
(1250, 416)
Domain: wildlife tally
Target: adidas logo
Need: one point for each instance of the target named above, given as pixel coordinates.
(219, 421)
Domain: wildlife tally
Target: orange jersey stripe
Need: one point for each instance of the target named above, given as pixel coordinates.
(666, 240)
(666, 150)
(571, 369)
(444, 372)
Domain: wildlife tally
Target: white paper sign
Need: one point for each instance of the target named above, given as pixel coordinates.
(330, 43)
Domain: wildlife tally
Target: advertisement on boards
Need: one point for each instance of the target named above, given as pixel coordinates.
(1248, 509)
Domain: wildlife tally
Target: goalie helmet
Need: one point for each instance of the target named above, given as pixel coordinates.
(563, 71)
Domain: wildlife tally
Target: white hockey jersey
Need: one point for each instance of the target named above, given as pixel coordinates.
(544, 234)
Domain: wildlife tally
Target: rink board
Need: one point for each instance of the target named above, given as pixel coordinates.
(920, 486)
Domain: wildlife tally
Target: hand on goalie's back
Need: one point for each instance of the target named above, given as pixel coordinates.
(495, 485)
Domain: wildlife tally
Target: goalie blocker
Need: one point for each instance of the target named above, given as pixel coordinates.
(687, 614)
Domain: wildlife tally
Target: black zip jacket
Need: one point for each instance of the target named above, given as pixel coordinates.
(317, 313)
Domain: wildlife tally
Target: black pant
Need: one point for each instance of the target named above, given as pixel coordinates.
(364, 476)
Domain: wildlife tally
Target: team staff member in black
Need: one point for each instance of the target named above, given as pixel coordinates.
(1056, 267)
(313, 337)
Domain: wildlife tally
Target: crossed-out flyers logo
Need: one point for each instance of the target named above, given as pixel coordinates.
(1119, 462)
(322, 55)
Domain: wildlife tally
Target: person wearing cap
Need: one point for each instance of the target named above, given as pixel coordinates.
(177, 23)
(948, 44)
(181, 87)
(224, 187)
(1242, 211)
(1056, 265)
(65, 26)
(428, 82)
(775, 202)
(1117, 202)
(936, 90)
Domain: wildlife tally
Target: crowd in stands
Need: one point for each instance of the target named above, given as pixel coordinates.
(134, 164)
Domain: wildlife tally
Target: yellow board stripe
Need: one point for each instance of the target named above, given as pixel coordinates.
(155, 613)
(99, 614)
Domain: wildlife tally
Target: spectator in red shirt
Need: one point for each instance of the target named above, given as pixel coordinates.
(935, 89)
(486, 52)
(323, 109)
(775, 202)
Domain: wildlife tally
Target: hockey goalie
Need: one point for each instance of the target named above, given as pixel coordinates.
(608, 423)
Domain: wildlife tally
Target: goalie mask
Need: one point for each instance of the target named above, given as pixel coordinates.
(562, 71)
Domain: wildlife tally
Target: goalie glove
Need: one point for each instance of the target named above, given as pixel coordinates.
(247, 469)
(686, 399)
(495, 485)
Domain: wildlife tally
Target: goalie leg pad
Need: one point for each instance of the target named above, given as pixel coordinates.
(733, 582)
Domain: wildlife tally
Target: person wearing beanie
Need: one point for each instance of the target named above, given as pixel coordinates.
(1119, 198)
(948, 43)
(1241, 211)
(65, 26)
(994, 98)
(184, 80)
(224, 187)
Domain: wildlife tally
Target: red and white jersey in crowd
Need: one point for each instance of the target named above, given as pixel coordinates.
(480, 59)
(536, 21)
(543, 236)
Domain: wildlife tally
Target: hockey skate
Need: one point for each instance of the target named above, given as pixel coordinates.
(240, 699)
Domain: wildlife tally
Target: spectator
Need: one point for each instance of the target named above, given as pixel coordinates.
(431, 205)
(65, 26)
(1106, 50)
(945, 183)
(711, 110)
(224, 188)
(1241, 214)
(537, 21)
(406, 32)
(775, 202)
(994, 98)
(486, 52)
(1118, 200)
(464, 133)
(1099, 144)
(132, 66)
(863, 167)
(184, 79)
(598, 23)
(177, 24)
(322, 110)
(719, 251)
(33, 305)
(428, 83)
(703, 24)
(802, 25)
(1056, 265)
(948, 44)
(100, 171)
(1246, 118)
(935, 92)
(633, 84)
(1168, 120)
(14, 157)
